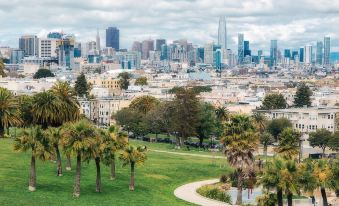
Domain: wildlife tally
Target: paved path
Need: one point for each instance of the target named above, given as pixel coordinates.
(188, 193)
(189, 154)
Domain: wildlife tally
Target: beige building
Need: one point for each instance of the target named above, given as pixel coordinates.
(108, 82)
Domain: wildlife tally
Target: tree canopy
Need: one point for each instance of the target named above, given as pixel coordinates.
(81, 86)
(276, 126)
(303, 96)
(124, 78)
(320, 138)
(43, 73)
(274, 101)
(141, 81)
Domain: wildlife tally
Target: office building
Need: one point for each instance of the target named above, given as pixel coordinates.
(301, 54)
(327, 50)
(146, 47)
(97, 41)
(129, 60)
(112, 38)
(159, 43)
(308, 54)
(260, 53)
(247, 51)
(164, 53)
(222, 34)
(16, 56)
(274, 52)
(319, 53)
(294, 55)
(287, 53)
(240, 48)
(29, 44)
(66, 51)
(47, 48)
(137, 46)
(54, 35)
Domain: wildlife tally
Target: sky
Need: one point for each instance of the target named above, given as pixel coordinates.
(294, 23)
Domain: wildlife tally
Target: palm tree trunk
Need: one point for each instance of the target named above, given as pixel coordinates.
(156, 137)
(32, 176)
(265, 153)
(323, 195)
(131, 185)
(239, 187)
(201, 139)
(76, 192)
(289, 199)
(98, 180)
(2, 131)
(113, 169)
(280, 196)
(68, 162)
(59, 166)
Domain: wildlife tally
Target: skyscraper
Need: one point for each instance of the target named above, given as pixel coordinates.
(319, 53)
(146, 47)
(112, 38)
(159, 43)
(29, 43)
(222, 35)
(66, 51)
(301, 54)
(240, 48)
(47, 47)
(287, 53)
(274, 52)
(98, 41)
(247, 51)
(327, 50)
(308, 54)
(16, 56)
(136, 46)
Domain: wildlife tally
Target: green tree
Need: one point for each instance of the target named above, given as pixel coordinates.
(10, 114)
(124, 78)
(132, 156)
(199, 89)
(274, 101)
(222, 114)
(303, 96)
(142, 81)
(267, 199)
(320, 138)
(324, 174)
(26, 104)
(54, 135)
(43, 73)
(266, 139)
(334, 142)
(82, 88)
(240, 142)
(79, 138)
(259, 121)
(2, 68)
(144, 104)
(33, 139)
(206, 121)
(276, 126)
(289, 177)
(155, 120)
(186, 108)
(288, 143)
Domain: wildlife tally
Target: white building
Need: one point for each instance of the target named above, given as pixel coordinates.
(308, 54)
(47, 48)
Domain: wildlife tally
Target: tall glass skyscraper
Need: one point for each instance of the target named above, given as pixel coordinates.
(159, 43)
(222, 35)
(301, 54)
(112, 38)
(274, 52)
(327, 50)
(29, 44)
(247, 51)
(240, 48)
(308, 54)
(319, 53)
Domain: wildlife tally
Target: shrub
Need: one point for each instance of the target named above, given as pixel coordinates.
(224, 178)
(213, 192)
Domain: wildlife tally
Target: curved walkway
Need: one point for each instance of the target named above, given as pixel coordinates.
(188, 193)
(189, 154)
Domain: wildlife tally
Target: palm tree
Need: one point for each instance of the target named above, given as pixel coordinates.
(324, 175)
(288, 143)
(33, 139)
(55, 135)
(46, 109)
(271, 177)
(240, 142)
(267, 199)
(222, 113)
(289, 177)
(260, 121)
(78, 139)
(266, 139)
(9, 111)
(133, 156)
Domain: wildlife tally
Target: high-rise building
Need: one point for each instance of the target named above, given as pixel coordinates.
(274, 52)
(47, 48)
(240, 48)
(66, 51)
(222, 34)
(287, 53)
(260, 52)
(308, 54)
(208, 53)
(164, 54)
(90, 48)
(17, 55)
(136, 46)
(77, 49)
(54, 35)
(301, 54)
(112, 38)
(98, 41)
(327, 50)
(159, 43)
(294, 55)
(146, 47)
(319, 53)
(29, 43)
(247, 51)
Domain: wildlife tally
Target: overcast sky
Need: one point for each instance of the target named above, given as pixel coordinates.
(293, 23)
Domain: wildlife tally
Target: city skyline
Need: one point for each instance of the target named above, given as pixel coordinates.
(197, 21)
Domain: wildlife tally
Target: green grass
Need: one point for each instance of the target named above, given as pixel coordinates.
(155, 181)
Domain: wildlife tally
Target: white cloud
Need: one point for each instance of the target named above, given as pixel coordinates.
(292, 23)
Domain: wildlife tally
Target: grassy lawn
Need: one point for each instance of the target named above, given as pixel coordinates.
(155, 181)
